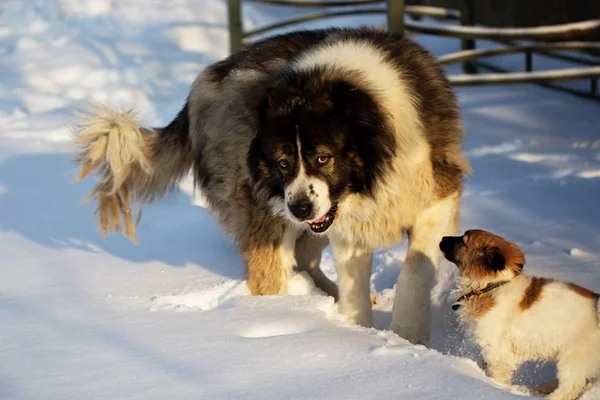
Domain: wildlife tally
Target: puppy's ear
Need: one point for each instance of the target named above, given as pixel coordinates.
(515, 258)
(495, 259)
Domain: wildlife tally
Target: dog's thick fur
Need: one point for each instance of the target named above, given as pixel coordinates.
(353, 134)
(526, 318)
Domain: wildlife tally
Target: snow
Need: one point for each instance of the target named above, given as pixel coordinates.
(83, 317)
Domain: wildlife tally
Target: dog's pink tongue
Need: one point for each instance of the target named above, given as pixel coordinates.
(322, 219)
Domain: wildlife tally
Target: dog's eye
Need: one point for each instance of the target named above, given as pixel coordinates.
(322, 160)
(282, 164)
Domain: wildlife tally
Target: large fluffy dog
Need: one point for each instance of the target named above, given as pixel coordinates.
(345, 137)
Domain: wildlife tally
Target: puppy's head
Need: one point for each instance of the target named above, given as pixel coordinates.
(483, 256)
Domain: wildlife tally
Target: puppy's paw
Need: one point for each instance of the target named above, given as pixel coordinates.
(546, 387)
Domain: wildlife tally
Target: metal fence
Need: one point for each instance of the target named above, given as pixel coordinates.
(545, 40)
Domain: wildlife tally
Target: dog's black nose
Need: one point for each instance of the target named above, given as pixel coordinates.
(447, 247)
(301, 208)
(446, 243)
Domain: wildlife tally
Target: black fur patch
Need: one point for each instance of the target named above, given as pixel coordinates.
(494, 259)
(264, 170)
(178, 129)
(257, 56)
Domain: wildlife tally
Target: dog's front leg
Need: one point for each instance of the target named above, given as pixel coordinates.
(269, 263)
(308, 258)
(353, 266)
(412, 304)
(572, 371)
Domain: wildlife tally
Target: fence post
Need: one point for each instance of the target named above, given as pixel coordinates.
(235, 25)
(528, 61)
(467, 18)
(395, 16)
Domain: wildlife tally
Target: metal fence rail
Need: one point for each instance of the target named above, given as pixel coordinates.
(466, 55)
(469, 57)
(553, 32)
(312, 17)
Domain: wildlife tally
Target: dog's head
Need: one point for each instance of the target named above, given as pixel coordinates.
(483, 256)
(319, 139)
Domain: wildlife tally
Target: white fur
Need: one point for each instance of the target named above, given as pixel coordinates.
(111, 139)
(278, 207)
(411, 311)
(561, 326)
(301, 186)
(354, 271)
(319, 197)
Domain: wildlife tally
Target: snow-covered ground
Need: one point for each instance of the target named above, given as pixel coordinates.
(170, 318)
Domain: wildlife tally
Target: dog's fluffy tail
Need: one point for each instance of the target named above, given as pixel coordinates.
(132, 165)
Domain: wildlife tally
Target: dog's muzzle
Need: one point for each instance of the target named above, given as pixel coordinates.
(301, 208)
(447, 246)
(322, 224)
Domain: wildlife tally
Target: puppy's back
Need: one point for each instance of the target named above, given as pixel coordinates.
(553, 316)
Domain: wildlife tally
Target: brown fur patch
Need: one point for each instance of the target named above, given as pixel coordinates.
(478, 244)
(260, 245)
(546, 387)
(515, 259)
(448, 176)
(533, 292)
(477, 306)
(477, 271)
(583, 291)
(265, 272)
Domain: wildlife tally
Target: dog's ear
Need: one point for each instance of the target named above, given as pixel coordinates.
(495, 260)
(371, 138)
(353, 103)
(257, 163)
(256, 158)
(515, 258)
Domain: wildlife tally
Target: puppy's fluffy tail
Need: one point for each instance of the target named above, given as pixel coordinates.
(132, 165)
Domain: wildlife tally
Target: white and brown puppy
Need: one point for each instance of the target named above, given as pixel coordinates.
(517, 318)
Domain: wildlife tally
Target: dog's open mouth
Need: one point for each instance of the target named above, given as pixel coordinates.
(322, 224)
